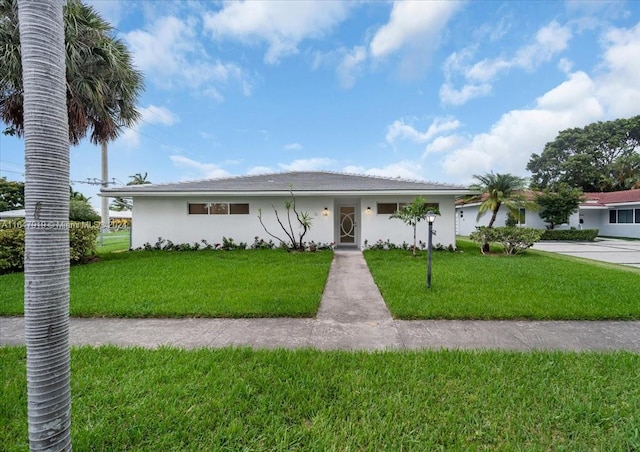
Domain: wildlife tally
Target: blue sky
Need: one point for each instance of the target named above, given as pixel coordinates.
(426, 90)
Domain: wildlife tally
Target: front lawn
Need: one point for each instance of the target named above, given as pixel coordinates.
(239, 399)
(251, 283)
(535, 285)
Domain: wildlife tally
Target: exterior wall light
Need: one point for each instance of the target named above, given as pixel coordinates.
(325, 212)
(368, 211)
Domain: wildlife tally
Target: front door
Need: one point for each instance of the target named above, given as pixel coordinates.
(347, 226)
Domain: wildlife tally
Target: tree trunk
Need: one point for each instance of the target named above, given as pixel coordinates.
(46, 262)
(415, 227)
(485, 245)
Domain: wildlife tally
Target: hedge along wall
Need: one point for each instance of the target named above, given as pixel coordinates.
(584, 235)
(82, 243)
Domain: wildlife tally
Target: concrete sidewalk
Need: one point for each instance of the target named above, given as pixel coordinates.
(352, 316)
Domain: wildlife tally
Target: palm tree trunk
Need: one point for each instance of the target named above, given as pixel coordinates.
(46, 266)
(494, 215)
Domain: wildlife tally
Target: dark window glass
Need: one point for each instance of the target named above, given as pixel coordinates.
(219, 208)
(387, 208)
(239, 209)
(637, 215)
(198, 209)
(625, 216)
(612, 216)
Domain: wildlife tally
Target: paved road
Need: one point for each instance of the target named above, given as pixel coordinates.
(352, 316)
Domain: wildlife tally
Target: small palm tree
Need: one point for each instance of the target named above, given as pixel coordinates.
(139, 179)
(412, 214)
(498, 190)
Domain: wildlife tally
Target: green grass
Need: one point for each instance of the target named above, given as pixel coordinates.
(251, 283)
(535, 285)
(238, 399)
(113, 241)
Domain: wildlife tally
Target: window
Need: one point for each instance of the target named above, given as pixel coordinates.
(239, 209)
(522, 216)
(612, 216)
(637, 215)
(198, 209)
(625, 216)
(218, 208)
(388, 208)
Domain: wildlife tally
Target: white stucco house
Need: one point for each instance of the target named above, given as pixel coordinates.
(467, 212)
(347, 209)
(614, 214)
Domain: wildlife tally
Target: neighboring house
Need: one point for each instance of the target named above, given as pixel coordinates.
(113, 214)
(12, 214)
(346, 209)
(615, 214)
(467, 212)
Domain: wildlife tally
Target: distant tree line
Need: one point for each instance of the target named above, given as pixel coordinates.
(600, 157)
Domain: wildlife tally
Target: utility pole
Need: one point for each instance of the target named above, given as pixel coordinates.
(104, 211)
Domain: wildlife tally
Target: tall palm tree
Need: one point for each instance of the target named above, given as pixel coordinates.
(46, 263)
(102, 84)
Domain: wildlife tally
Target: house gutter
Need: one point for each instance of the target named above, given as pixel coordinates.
(345, 193)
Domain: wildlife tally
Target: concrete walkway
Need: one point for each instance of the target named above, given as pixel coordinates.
(352, 316)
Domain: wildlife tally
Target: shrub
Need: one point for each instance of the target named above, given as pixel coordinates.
(82, 241)
(587, 235)
(513, 240)
(261, 244)
(11, 248)
(82, 244)
(81, 210)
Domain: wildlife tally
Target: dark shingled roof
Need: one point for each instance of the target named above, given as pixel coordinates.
(300, 181)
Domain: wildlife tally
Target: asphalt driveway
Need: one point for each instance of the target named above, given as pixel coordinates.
(615, 251)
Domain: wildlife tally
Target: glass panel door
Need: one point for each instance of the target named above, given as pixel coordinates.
(348, 224)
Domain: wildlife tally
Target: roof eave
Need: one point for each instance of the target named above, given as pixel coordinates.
(172, 193)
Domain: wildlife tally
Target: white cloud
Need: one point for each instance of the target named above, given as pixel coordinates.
(203, 170)
(404, 169)
(311, 164)
(282, 24)
(446, 143)
(260, 170)
(171, 56)
(451, 96)
(549, 41)
(400, 129)
(411, 22)
(509, 144)
(148, 115)
(293, 147)
(351, 66)
(618, 84)
(485, 70)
